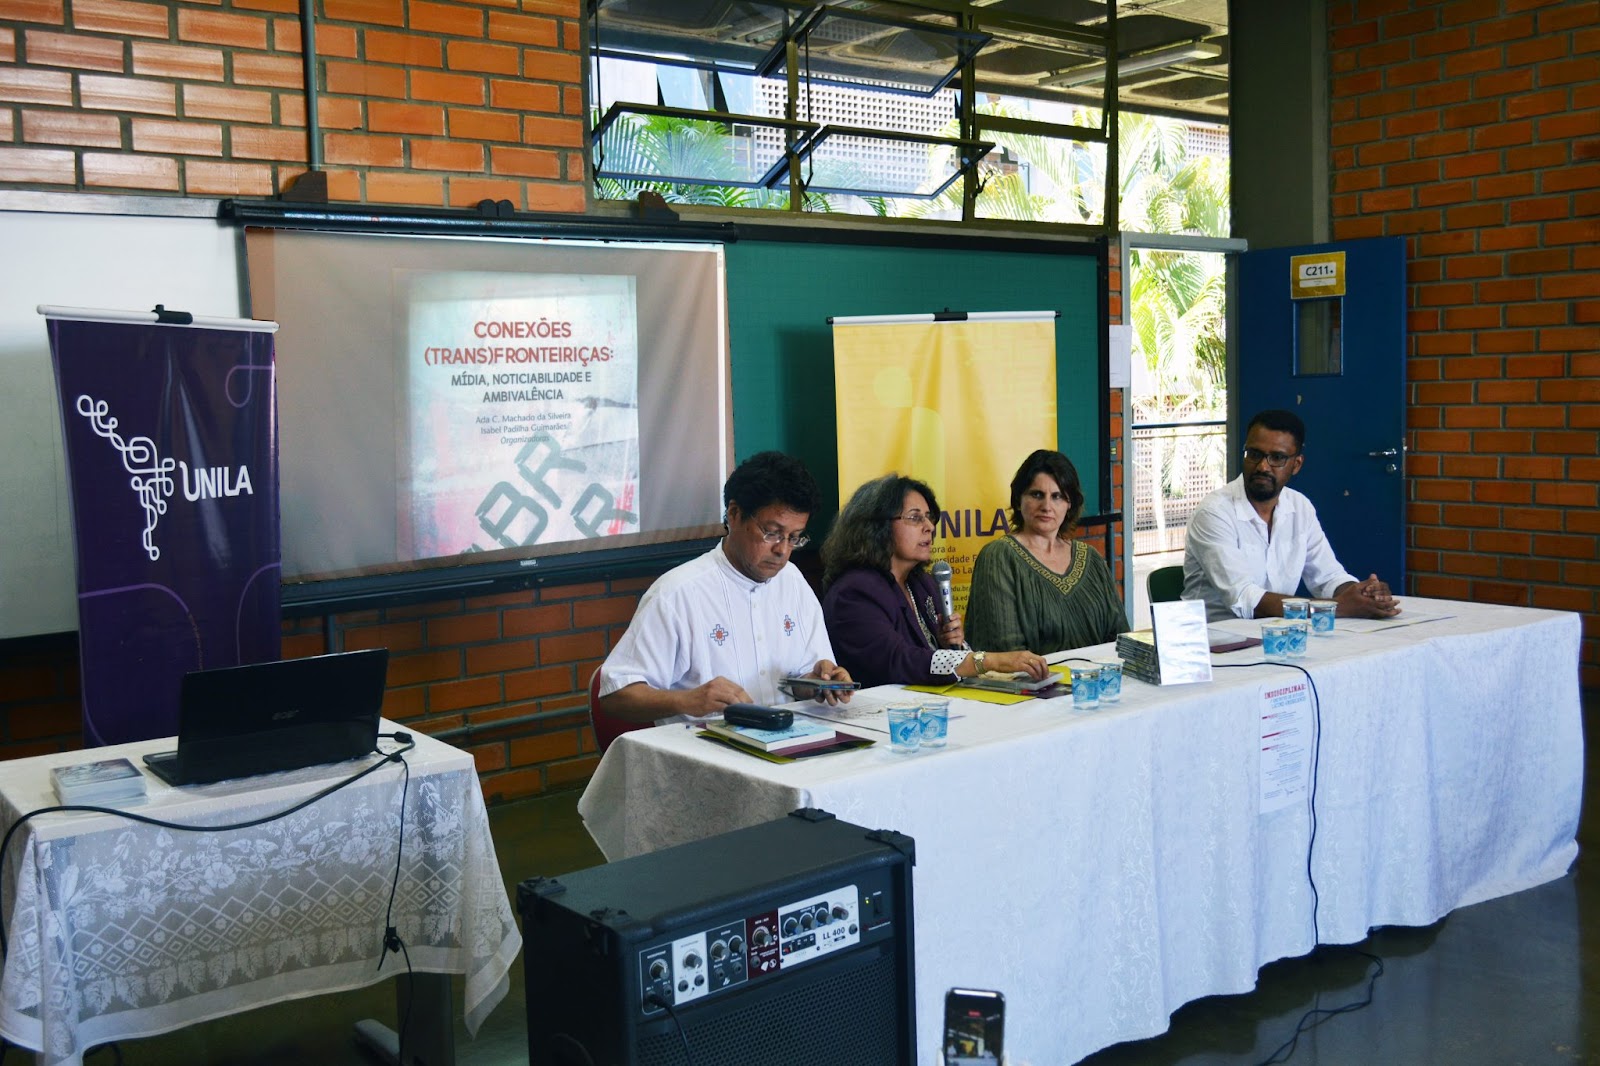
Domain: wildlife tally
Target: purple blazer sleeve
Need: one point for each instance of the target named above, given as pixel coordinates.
(874, 634)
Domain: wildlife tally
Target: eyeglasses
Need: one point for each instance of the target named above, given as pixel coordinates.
(917, 518)
(776, 536)
(1039, 495)
(1276, 460)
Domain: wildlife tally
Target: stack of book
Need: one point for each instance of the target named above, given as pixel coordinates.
(803, 734)
(98, 784)
(1137, 650)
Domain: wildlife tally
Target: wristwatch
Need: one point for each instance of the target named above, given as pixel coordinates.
(977, 662)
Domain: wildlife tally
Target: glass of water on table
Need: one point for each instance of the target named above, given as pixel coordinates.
(905, 727)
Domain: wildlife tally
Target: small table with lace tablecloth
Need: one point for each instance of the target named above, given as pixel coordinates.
(117, 929)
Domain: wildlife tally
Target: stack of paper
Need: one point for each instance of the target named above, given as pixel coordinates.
(98, 784)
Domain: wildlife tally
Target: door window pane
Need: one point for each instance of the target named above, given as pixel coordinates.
(1318, 337)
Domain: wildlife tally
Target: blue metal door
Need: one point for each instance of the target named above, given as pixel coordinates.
(1323, 334)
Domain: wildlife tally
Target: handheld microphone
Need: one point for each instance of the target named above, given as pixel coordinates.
(941, 577)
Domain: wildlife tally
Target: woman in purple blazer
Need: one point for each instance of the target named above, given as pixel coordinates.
(883, 611)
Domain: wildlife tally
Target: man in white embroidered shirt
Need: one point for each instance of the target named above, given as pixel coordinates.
(1251, 542)
(725, 627)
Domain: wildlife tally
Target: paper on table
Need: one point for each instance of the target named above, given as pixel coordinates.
(1285, 741)
(1407, 617)
(864, 711)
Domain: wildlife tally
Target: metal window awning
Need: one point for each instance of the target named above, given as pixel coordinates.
(908, 165)
(649, 142)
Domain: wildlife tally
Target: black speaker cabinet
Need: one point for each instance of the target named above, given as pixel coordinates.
(785, 944)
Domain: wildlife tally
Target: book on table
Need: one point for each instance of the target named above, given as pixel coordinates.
(1017, 683)
(801, 733)
(1137, 650)
(100, 782)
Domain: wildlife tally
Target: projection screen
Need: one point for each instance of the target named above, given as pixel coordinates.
(457, 407)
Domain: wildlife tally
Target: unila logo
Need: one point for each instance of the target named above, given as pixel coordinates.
(788, 626)
(210, 482)
(150, 474)
(719, 634)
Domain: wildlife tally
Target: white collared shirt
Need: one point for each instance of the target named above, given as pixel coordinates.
(705, 619)
(1232, 560)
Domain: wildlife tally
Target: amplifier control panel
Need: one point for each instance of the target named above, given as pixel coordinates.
(725, 956)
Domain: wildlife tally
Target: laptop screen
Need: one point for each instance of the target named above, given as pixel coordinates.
(238, 721)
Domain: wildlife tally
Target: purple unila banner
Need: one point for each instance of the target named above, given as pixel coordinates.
(171, 441)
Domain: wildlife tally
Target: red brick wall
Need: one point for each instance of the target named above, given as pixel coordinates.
(422, 103)
(1472, 129)
(487, 660)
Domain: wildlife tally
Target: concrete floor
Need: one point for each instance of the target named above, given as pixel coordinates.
(1503, 982)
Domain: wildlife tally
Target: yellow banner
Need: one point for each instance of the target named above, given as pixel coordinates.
(956, 404)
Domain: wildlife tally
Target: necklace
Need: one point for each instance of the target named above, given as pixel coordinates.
(922, 624)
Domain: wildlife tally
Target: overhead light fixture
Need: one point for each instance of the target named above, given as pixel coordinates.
(1133, 64)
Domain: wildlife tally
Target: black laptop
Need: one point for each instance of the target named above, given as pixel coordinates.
(240, 721)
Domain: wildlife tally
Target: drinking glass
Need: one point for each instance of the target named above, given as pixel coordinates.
(905, 727)
(935, 721)
(1275, 639)
(1111, 682)
(1085, 687)
(1299, 632)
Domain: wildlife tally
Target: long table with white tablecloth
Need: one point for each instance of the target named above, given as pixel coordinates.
(1103, 868)
(117, 929)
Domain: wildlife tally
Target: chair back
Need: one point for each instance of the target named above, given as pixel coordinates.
(606, 727)
(1165, 584)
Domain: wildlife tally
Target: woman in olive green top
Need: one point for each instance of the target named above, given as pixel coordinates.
(1038, 588)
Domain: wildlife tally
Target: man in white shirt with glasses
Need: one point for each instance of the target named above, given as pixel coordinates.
(1252, 542)
(726, 627)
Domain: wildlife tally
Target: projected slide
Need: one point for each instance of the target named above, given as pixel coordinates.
(465, 409)
(523, 405)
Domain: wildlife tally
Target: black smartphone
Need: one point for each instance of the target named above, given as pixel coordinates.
(818, 685)
(974, 1027)
(751, 716)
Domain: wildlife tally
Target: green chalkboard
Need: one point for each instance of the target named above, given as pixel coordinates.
(781, 294)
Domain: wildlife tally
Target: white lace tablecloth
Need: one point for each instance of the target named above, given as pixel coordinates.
(1102, 869)
(119, 930)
